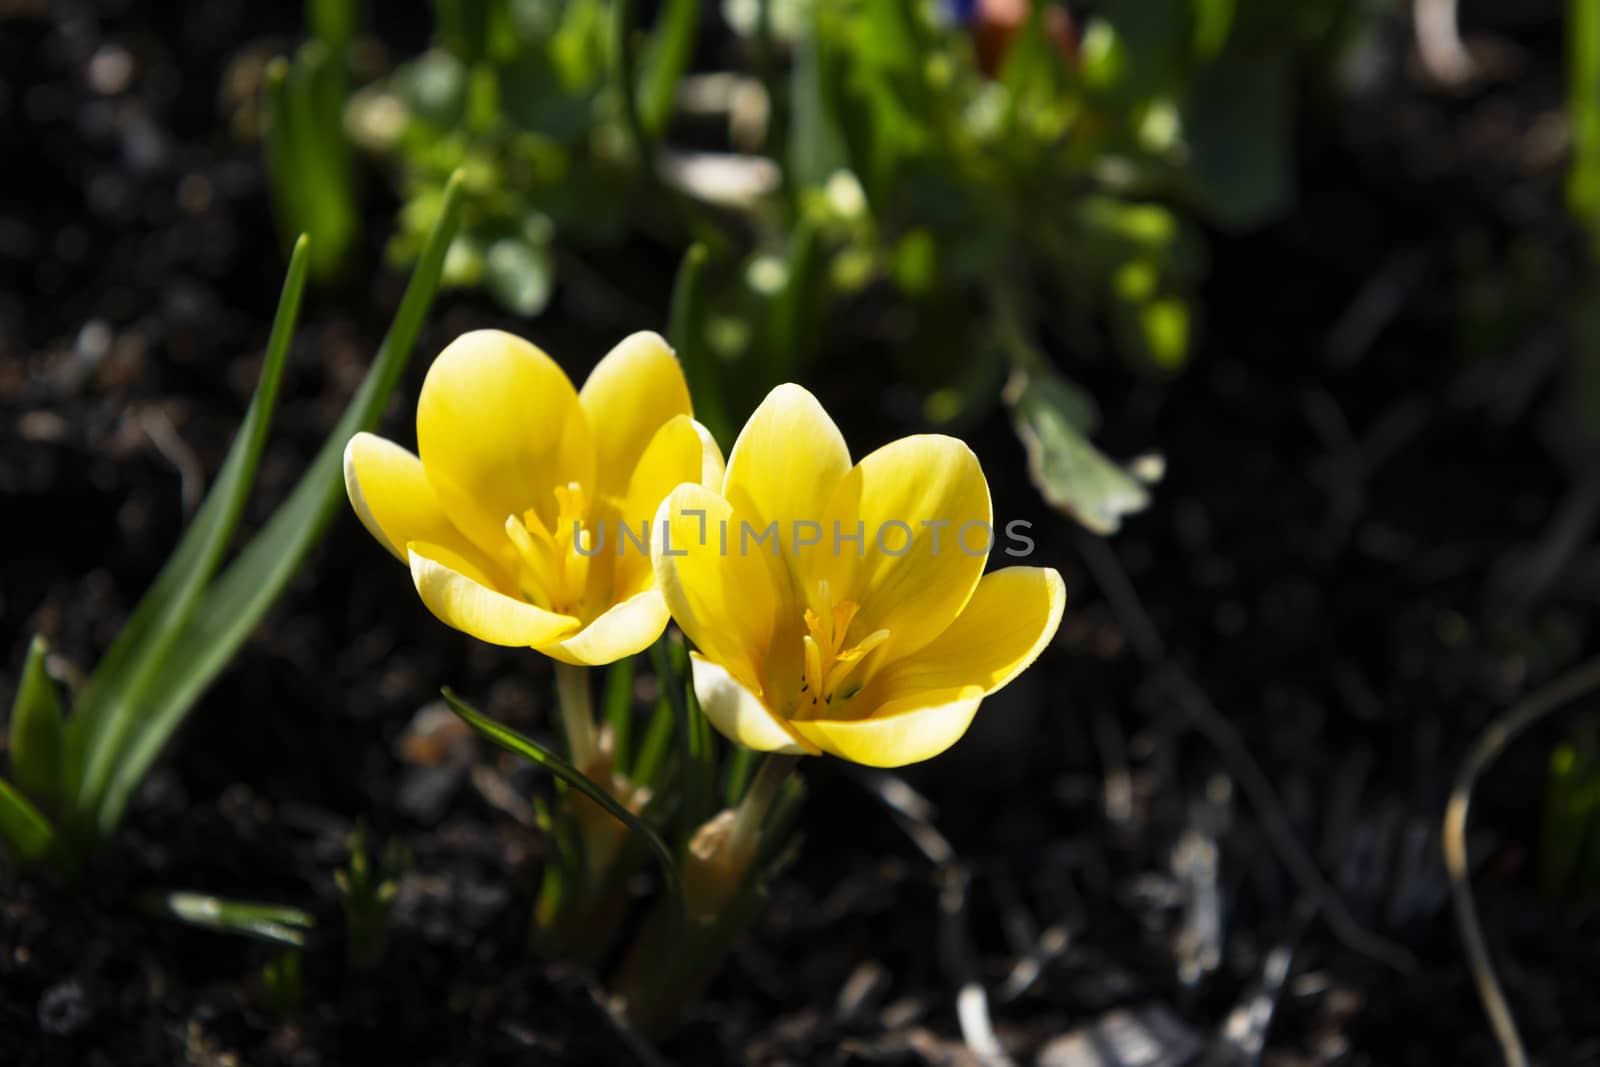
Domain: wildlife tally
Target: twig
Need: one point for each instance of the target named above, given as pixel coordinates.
(1445, 58)
(191, 478)
(1125, 604)
(1490, 744)
(914, 813)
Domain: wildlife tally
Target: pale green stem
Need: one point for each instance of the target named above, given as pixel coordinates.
(770, 776)
(577, 715)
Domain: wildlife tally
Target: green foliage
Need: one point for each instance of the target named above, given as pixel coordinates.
(897, 152)
(368, 885)
(76, 773)
(284, 983)
(310, 162)
(570, 776)
(276, 924)
(1569, 848)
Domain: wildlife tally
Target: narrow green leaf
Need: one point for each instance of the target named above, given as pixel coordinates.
(332, 21)
(235, 604)
(792, 333)
(125, 681)
(653, 750)
(695, 758)
(273, 923)
(617, 706)
(283, 153)
(686, 330)
(314, 100)
(816, 145)
(37, 725)
(1583, 115)
(625, 77)
(26, 832)
(667, 56)
(531, 750)
(741, 761)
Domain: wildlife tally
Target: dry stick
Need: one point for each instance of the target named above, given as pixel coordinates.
(1490, 744)
(914, 812)
(1445, 58)
(1125, 604)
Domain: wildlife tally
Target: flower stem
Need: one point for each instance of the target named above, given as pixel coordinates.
(577, 715)
(774, 770)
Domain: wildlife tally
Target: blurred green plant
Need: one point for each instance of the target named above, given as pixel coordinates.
(687, 790)
(276, 924)
(1569, 852)
(925, 156)
(311, 169)
(527, 99)
(73, 775)
(283, 981)
(369, 884)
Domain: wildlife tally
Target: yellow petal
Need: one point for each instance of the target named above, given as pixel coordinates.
(712, 468)
(786, 464)
(921, 506)
(461, 596)
(675, 455)
(624, 629)
(1011, 617)
(499, 427)
(896, 740)
(392, 497)
(628, 396)
(739, 714)
(725, 601)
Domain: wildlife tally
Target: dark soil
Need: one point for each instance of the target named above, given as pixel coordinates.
(1351, 561)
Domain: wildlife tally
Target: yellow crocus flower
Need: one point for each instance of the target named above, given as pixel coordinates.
(866, 628)
(511, 517)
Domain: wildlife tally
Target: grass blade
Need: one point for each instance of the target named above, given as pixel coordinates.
(666, 58)
(741, 761)
(120, 689)
(686, 326)
(273, 923)
(26, 832)
(653, 749)
(694, 755)
(37, 725)
(534, 752)
(617, 707)
(235, 604)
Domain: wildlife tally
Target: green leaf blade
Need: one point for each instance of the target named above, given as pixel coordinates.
(237, 601)
(273, 923)
(666, 58)
(531, 750)
(26, 832)
(38, 725)
(123, 682)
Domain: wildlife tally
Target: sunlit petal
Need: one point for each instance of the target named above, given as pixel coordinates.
(713, 469)
(630, 395)
(392, 498)
(921, 508)
(1010, 619)
(675, 455)
(739, 714)
(724, 599)
(462, 596)
(896, 740)
(624, 629)
(786, 464)
(499, 427)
